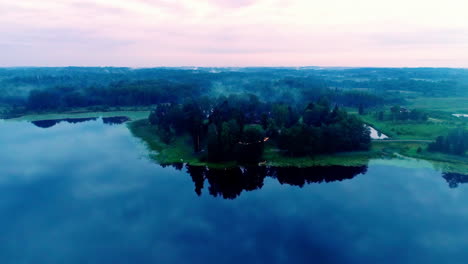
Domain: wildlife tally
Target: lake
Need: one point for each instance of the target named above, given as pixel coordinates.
(85, 192)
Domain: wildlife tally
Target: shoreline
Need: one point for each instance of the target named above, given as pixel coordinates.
(181, 152)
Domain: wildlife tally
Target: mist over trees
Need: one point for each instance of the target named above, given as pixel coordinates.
(52, 89)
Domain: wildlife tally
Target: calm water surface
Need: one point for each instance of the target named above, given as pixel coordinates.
(86, 193)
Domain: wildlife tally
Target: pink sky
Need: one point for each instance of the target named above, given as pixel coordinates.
(147, 33)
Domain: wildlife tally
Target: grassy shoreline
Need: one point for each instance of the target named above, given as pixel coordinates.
(180, 151)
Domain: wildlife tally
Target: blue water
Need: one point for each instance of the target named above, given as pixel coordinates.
(86, 193)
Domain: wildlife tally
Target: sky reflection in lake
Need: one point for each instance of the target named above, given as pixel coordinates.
(86, 193)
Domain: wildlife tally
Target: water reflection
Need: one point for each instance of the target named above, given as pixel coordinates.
(229, 183)
(106, 120)
(115, 120)
(454, 179)
(93, 197)
(301, 176)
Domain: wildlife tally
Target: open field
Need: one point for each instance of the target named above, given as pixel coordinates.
(412, 130)
(440, 119)
(451, 105)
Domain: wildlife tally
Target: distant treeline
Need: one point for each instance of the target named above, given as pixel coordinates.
(152, 92)
(456, 143)
(425, 87)
(427, 81)
(138, 93)
(107, 86)
(238, 127)
(398, 113)
(56, 89)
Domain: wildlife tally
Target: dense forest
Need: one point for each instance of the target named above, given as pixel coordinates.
(61, 89)
(238, 127)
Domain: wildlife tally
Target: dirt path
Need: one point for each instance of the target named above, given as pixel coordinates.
(403, 140)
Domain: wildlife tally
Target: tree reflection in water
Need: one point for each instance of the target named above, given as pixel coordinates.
(52, 122)
(454, 179)
(230, 182)
(113, 120)
(301, 176)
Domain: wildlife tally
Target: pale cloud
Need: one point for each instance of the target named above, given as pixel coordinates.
(145, 33)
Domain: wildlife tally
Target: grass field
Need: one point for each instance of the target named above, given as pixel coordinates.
(418, 130)
(440, 122)
(450, 105)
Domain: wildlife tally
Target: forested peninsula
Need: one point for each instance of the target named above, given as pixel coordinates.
(239, 127)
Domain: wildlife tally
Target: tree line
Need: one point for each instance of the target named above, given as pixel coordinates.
(456, 143)
(152, 92)
(399, 113)
(76, 86)
(124, 93)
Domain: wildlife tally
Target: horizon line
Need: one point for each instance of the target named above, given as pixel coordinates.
(243, 67)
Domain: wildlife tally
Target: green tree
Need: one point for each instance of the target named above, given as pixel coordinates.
(193, 119)
(280, 114)
(230, 136)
